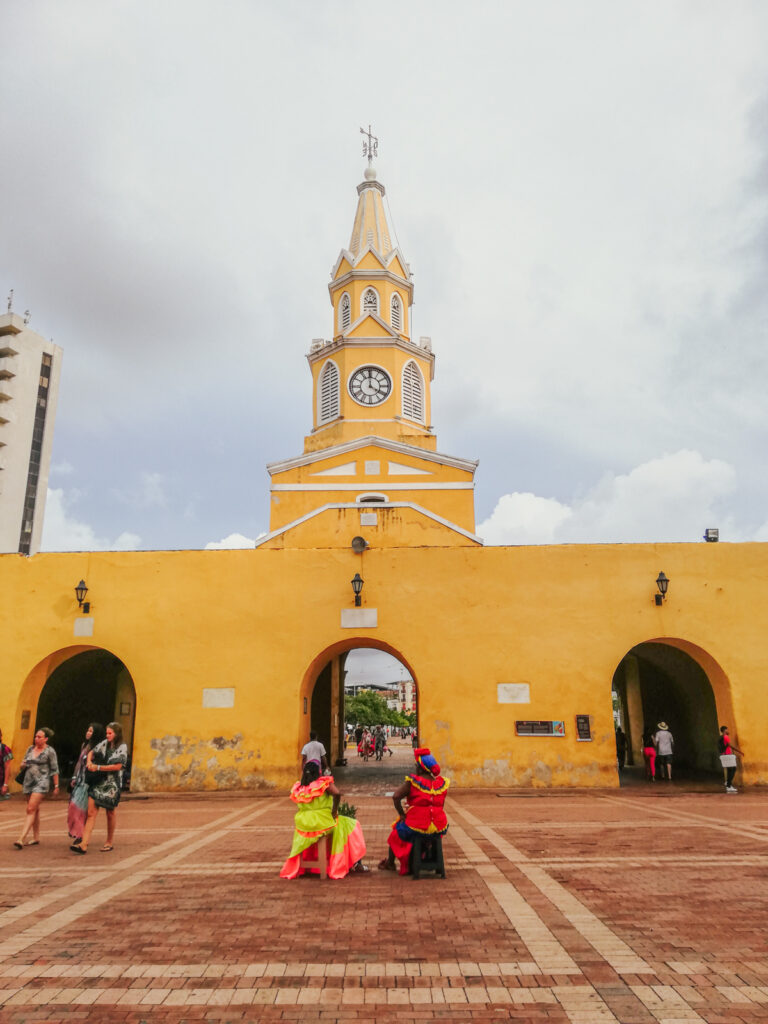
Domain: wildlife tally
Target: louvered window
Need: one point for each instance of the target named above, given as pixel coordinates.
(345, 313)
(413, 392)
(370, 302)
(329, 392)
(397, 313)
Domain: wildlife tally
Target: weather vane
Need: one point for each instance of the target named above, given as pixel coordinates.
(10, 293)
(371, 147)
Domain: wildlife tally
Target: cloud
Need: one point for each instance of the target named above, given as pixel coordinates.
(63, 468)
(149, 494)
(62, 532)
(234, 540)
(670, 498)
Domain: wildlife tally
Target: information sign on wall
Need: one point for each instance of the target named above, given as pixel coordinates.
(584, 728)
(540, 728)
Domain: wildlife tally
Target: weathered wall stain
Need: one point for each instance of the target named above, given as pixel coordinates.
(197, 763)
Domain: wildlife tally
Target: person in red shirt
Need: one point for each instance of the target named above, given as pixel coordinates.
(728, 759)
(424, 791)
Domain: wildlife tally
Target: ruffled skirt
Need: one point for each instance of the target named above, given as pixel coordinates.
(347, 848)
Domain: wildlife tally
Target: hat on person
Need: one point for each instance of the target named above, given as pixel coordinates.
(663, 725)
(425, 760)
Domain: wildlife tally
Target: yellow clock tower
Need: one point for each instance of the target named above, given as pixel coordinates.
(372, 442)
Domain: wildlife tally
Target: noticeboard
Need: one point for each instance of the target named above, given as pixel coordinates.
(548, 728)
(584, 728)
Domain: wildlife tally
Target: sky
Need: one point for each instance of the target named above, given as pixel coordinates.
(580, 189)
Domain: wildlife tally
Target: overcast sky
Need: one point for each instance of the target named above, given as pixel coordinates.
(580, 189)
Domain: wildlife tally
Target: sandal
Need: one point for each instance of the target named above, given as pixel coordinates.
(18, 845)
(106, 848)
(33, 842)
(77, 849)
(384, 865)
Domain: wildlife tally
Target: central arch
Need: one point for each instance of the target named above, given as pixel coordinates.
(321, 697)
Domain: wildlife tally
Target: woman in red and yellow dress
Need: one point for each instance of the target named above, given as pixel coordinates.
(317, 815)
(425, 793)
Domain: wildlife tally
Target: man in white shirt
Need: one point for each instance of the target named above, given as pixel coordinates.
(665, 745)
(314, 751)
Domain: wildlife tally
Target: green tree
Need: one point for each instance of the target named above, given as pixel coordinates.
(369, 708)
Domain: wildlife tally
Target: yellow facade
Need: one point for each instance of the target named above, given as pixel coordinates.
(463, 620)
(216, 657)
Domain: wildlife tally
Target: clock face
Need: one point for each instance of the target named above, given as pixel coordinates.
(370, 385)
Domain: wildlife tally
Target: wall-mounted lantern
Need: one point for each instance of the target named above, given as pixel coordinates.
(357, 585)
(662, 583)
(80, 591)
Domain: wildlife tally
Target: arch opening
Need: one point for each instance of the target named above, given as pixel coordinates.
(356, 684)
(673, 681)
(88, 686)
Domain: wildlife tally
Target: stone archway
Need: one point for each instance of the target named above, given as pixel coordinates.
(321, 699)
(672, 680)
(71, 688)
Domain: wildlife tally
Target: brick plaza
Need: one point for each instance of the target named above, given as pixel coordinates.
(633, 905)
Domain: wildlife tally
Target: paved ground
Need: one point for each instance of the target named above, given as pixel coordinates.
(642, 905)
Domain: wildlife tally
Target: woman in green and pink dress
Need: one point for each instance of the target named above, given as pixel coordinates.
(317, 805)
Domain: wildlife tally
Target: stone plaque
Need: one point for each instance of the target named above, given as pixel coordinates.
(513, 693)
(219, 697)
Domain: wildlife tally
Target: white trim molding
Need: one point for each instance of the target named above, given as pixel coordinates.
(469, 486)
(414, 452)
(390, 504)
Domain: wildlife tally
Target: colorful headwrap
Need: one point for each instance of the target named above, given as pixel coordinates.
(425, 760)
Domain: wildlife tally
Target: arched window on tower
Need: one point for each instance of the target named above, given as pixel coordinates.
(396, 316)
(370, 301)
(413, 392)
(345, 313)
(328, 393)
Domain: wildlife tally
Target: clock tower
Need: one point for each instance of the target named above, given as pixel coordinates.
(372, 441)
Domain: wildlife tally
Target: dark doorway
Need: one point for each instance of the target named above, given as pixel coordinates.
(93, 686)
(657, 682)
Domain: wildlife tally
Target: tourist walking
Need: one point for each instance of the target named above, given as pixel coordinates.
(728, 758)
(105, 765)
(6, 756)
(317, 816)
(314, 751)
(40, 769)
(621, 747)
(665, 746)
(77, 811)
(649, 755)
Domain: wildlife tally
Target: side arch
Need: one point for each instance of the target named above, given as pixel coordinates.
(69, 688)
(675, 680)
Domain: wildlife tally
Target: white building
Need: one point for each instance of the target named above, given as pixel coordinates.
(30, 366)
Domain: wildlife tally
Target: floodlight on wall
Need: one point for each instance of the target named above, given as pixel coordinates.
(357, 586)
(80, 591)
(712, 535)
(662, 583)
(359, 544)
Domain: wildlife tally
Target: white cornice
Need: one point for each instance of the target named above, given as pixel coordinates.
(326, 351)
(373, 508)
(361, 487)
(467, 465)
(371, 275)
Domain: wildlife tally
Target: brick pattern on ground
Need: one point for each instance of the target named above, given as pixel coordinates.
(565, 909)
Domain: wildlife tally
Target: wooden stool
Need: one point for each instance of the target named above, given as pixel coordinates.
(432, 849)
(323, 847)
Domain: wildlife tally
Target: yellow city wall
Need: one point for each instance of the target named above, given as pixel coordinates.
(463, 620)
